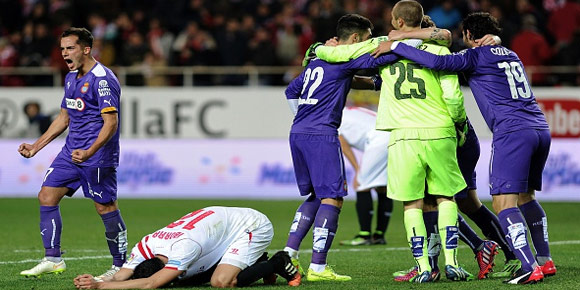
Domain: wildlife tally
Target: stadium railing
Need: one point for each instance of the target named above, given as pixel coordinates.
(570, 75)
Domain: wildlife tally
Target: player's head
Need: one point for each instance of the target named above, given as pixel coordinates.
(75, 46)
(407, 13)
(353, 28)
(147, 268)
(427, 22)
(477, 25)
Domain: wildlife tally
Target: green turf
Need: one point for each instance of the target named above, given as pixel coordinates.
(370, 266)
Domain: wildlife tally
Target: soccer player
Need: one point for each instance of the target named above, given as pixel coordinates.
(467, 200)
(317, 97)
(358, 131)
(233, 238)
(90, 110)
(521, 139)
(421, 108)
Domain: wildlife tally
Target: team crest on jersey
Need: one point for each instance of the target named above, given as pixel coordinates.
(85, 88)
(75, 104)
(104, 89)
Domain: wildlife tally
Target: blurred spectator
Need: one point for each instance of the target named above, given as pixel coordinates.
(37, 122)
(508, 28)
(532, 47)
(445, 15)
(569, 54)
(564, 21)
(207, 32)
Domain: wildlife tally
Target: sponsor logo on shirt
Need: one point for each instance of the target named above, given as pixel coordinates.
(104, 89)
(85, 88)
(75, 104)
(234, 251)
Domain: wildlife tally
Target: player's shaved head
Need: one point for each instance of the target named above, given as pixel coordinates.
(479, 24)
(410, 11)
(352, 23)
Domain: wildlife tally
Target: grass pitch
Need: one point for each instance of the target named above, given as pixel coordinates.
(370, 266)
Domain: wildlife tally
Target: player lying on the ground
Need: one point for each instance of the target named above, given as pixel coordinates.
(232, 238)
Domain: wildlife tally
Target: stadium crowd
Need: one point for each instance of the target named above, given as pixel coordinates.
(151, 33)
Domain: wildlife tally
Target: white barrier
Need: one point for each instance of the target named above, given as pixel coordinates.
(259, 169)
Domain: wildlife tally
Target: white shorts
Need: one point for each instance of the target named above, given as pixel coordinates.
(250, 246)
(373, 166)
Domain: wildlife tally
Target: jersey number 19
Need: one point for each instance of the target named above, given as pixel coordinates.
(515, 73)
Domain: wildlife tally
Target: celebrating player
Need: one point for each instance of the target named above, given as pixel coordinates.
(233, 238)
(421, 108)
(89, 157)
(358, 131)
(317, 98)
(521, 138)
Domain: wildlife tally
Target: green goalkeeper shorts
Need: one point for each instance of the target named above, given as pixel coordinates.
(414, 163)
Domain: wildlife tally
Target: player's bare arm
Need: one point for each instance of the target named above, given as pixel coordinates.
(110, 125)
(438, 35)
(384, 47)
(56, 128)
(159, 279)
(349, 154)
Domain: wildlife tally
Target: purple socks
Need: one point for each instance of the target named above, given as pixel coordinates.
(325, 225)
(50, 230)
(303, 220)
(116, 234)
(538, 226)
(514, 226)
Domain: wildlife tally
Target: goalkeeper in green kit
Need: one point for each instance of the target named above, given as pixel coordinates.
(422, 109)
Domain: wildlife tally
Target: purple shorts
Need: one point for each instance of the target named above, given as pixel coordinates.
(318, 165)
(99, 183)
(517, 161)
(467, 157)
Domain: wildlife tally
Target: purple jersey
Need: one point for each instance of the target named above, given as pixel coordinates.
(85, 99)
(321, 91)
(498, 81)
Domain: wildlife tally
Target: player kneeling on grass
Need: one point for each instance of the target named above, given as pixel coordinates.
(220, 245)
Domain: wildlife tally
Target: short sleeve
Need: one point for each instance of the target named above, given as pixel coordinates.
(183, 254)
(109, 93)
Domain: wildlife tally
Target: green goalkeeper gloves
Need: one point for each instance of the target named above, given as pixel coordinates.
(461, 129)
(310, 53)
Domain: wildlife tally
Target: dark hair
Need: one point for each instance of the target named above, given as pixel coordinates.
(410, 11)
(427, 22)
(480, 24)
(352, 23)
(85, 36)
(147, 268)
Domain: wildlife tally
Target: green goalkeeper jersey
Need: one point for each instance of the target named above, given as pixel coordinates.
(411, 96)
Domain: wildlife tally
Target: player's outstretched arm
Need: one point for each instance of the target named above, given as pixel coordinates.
(438, 35)
(342, 53)
(157, 280)
(56, 128)
(465, 60)
(110, 125)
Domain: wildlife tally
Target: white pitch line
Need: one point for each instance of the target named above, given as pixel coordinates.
(374, 249)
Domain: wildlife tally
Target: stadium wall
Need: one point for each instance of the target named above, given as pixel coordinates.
(231, 143)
